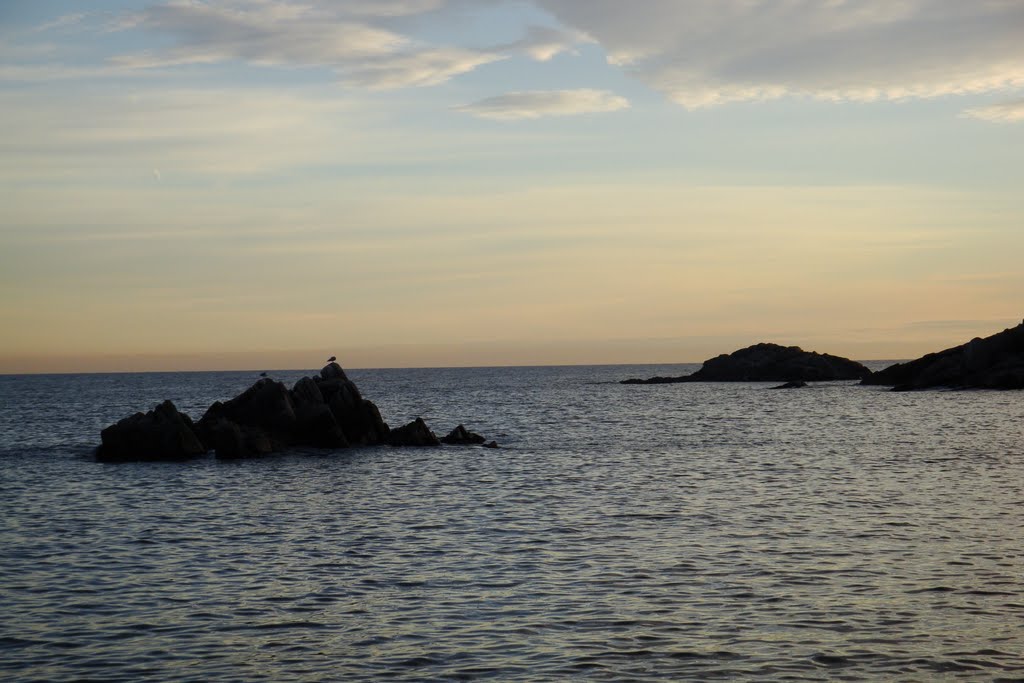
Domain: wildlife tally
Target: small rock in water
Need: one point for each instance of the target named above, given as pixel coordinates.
(460, 436)
(416, 433)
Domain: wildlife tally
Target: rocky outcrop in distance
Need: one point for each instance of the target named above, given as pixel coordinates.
(995, 362)
(769, 363)
(326, 412)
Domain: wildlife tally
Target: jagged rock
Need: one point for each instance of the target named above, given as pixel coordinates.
(792, 385)
(769, 363)
(332, 371)
(266, 406)
(995, 362)
(161, 434)
(315, 424)
(416, 433)
(359, 419)
(321, 412)
(460, 436)
(306, 390)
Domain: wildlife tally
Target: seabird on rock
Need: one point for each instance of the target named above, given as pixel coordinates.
(332, 359)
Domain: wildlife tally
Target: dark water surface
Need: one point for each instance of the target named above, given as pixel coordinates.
(692, 531)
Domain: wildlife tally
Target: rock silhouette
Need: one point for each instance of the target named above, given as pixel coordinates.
(995, 362)
(318, 412)
(416, 433)
(162, 434)
(769, 363)
(460, 436)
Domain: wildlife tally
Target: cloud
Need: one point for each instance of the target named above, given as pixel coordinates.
(708, 52)
(698, 53)
(352, 37)
(414, 69)
(40, 73)
(262, 31)
(1004, 112)
(112, 133)
(538, 103)
(390, 8)
(543, 43)
(61, 22)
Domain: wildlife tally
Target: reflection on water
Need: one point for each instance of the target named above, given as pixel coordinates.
(624, 532)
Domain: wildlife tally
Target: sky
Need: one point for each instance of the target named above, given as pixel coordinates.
(258, 184)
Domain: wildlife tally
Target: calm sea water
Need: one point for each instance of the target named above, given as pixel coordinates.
(687, 532)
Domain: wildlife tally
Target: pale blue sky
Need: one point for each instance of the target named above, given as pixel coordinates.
(453, 182)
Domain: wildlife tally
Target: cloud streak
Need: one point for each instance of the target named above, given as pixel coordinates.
(263, 32)
(535, 104)
(698, 53)
(352, 38)
(703, 53)
(1004, 112)
(414, 69)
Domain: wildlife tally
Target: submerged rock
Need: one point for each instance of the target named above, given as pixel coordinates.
(769, 363)
(995, 362)
(161, 434)
(792, 385)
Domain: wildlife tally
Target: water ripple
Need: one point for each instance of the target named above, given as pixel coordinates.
(687, 532)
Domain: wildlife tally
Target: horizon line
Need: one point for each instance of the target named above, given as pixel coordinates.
(395, 367)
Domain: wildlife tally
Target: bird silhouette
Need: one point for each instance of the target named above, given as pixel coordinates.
(332, 359)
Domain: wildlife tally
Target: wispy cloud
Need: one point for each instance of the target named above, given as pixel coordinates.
(414, 69)
(543, 43)
(61, 22)
(539, 103)
(708, 52)
(1004, 112)
(352, 37)
(263, 32)
(225, 131)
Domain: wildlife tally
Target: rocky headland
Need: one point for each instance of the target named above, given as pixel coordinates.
(769, 363)
(326, 412)
(995, 362)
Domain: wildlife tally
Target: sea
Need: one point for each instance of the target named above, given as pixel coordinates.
(621, 533)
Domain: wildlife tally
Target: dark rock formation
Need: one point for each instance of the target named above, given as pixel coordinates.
(161, 434)
(234, 442)
(460, 436)
(769, 363)
(358, 418)
(416, 433)
(995, 362)
(792, 385)
(322, 412)
(318, 412)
